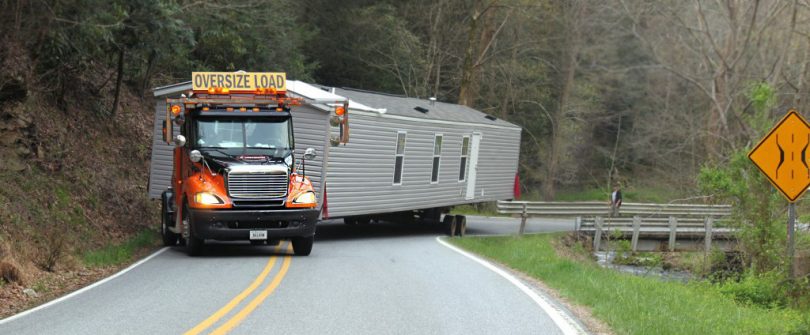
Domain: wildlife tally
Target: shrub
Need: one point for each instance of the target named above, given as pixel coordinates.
(765, 289)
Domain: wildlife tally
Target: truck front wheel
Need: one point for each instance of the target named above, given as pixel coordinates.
(194, 245)
(166, 218)
(302, 246)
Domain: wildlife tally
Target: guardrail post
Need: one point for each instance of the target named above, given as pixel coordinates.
(597, 236)
(577, 223)
(523, 216)
(636, 229)
(708, 237)
(673, 229)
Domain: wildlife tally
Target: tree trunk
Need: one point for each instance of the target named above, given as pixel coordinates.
(147, 76)
(467, 69)
(119, 81)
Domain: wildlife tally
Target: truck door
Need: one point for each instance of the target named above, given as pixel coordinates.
(474, 146)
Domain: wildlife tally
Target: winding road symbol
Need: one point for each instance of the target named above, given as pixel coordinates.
(783, 155)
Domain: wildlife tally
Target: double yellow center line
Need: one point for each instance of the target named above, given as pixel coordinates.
(244, 312)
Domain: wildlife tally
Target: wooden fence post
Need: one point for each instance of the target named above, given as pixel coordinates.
(673, 229)
(636, 231)
(523, 217)
(597, 236)
(708, 237)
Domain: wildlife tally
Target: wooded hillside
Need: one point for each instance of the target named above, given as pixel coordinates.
(617, 89)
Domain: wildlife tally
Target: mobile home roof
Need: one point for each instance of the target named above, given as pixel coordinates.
(421, 108)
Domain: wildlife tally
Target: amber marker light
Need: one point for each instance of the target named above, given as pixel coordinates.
(340, 110)
(212, 90)
(175, 109)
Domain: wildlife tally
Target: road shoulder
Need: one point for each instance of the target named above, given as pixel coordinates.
(569, 317)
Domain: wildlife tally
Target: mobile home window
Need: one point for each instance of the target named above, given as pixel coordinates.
(437, 157)
(465, 152)
(399, 158)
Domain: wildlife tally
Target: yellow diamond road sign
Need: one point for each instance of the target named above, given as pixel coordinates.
(783, 155)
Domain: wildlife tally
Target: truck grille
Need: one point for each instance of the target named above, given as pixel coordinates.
(257, 185)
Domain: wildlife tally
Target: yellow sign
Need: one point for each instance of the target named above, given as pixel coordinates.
(239, 81)
(782, 155)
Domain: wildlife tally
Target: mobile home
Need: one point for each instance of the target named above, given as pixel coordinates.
(404, 154)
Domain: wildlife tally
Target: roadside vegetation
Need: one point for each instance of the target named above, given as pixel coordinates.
(117, 254)
(641, 305)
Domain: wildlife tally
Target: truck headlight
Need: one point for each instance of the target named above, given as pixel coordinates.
(206, 198)
(305, 198)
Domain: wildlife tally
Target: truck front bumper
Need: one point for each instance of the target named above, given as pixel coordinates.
(233, 225)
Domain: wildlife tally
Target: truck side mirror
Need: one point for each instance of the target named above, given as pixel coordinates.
(167, 127)
(309, 153)
(179, 141)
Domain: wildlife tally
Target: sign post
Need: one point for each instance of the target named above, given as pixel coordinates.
(783, 157)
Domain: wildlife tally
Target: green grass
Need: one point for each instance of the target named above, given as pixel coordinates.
(631, 304)
(120, 253)
(629, 194)
(483, 209)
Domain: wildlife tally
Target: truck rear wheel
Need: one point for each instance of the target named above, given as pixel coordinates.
(169, 238)
(449, 223)
(461, 225)
(350, 220)
(302, 246)
(194, 245)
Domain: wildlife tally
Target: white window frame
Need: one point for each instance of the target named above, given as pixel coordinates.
(396, 155)
(436, 136)
(464, 155)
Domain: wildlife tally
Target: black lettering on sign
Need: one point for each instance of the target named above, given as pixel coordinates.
(247, 81)
(280, 81)
(228, 82)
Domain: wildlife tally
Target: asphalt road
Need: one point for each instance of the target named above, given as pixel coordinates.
(373, 279)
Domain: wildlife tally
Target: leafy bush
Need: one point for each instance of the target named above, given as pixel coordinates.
(765, 289)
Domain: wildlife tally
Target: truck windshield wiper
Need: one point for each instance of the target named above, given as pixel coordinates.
(208, 150)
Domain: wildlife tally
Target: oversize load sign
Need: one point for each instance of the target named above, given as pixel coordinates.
(239, 81)
(783, 155)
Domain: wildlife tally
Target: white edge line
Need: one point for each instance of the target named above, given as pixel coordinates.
(83, 289)
(564, 322)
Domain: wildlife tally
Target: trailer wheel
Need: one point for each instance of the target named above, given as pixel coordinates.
(350, 220)
(461, 225)
(363, 220)
(302, 246)
(194, 245)
(169, 238)
(449, 223)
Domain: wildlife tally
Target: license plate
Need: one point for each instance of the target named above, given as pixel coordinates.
(258, 234)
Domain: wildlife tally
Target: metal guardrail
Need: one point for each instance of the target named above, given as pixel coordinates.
(655, 220)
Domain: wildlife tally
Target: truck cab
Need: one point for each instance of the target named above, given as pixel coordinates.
(235, 173)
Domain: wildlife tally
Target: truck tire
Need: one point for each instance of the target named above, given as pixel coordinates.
(449, 223)
(302, 246)
(350, 221)
(461, 225)
(363, 220)
(169, 238)
(194, 245)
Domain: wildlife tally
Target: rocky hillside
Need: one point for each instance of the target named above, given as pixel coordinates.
(73, 175)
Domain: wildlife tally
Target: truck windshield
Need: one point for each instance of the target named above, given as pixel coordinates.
(268, 136)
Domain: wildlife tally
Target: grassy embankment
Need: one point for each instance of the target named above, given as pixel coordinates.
(631, 304)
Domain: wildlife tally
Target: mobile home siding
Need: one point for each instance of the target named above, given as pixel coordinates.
(361, 173)
(161, 165)
(311, 128)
